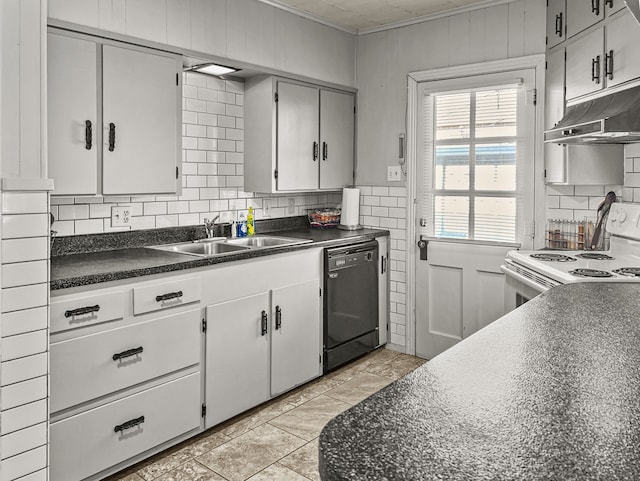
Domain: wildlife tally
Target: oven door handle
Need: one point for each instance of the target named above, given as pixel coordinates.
(526, 281)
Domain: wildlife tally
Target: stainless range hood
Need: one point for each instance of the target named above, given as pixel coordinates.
(610, 119)
(634, 8)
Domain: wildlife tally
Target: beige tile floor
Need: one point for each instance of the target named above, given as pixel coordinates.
(277, 441)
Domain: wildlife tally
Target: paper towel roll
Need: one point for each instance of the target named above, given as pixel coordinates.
(350, 215)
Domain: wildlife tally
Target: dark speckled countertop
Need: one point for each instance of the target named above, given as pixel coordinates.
(85, 268)
(550, 391)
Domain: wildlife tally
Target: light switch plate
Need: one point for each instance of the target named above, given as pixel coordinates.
(266, 207)
(394, 173)
(120, 216)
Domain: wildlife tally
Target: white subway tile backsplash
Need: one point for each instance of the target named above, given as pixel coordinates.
(73, 212)
(632, 179)
(226, 121)
(574, 202)
(380, 191)
(89, 226)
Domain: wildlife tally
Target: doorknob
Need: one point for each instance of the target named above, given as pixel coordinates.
(422, 245)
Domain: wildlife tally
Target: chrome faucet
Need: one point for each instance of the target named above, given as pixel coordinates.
(209, 225)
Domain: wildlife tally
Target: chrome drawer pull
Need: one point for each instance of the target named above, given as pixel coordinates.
(129, 353)
(82, 310)
(128, 424)
(170, 295)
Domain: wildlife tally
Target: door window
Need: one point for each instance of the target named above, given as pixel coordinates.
(474, 151)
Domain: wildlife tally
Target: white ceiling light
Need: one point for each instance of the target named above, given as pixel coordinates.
(213, 69)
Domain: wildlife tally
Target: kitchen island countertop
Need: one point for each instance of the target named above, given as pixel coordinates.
(551, 391)
(81, 269)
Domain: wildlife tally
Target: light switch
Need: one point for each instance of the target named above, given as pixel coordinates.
(120, 216)
(394, 173)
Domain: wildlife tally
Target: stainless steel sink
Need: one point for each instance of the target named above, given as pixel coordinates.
(203, 249)
(266, 241)
(220, 245)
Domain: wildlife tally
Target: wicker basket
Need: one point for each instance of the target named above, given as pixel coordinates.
(324, 218)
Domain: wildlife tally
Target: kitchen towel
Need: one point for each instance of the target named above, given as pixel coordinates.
(350, 215)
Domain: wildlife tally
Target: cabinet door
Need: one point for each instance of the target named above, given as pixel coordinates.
(297, 137)
(383, 289)
(237, 355)
(556, 17)
(142, 121)
(585, 61)
(295, 335)
(337, 129)
(72, 104)
(623, 38)
(581, 14)
(554, 158)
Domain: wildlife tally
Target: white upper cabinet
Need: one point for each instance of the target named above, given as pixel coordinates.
(134, 147)
(556, 18)
(554, 158)
(337, 130)
(73, 115)
(584, 66)
(298, 137)
(581, 14)
(612, 6)
(622, 40)
(298, 148)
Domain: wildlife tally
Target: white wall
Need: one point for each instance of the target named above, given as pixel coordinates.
(385, 58)
(242, 30)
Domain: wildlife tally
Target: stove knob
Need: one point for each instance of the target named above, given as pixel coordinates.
(621, 217)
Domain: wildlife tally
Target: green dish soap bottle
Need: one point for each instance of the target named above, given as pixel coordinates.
(251, 229)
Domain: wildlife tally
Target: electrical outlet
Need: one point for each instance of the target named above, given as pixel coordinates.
(292, 205)
(266, 207)
(121, 216)
(394, 173)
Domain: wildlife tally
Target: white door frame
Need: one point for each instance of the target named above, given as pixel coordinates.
(531, 61)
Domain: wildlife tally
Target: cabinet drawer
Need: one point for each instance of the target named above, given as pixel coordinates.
(88, 443)
(85, 311)
(165, 295)
(98, 364)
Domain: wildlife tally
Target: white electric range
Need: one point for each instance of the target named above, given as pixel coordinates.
(529, 273)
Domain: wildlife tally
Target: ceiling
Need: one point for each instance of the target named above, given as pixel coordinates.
(359, 15)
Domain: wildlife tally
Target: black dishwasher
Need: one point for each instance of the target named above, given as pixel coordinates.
(350, 302)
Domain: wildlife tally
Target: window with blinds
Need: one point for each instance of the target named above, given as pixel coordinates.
(471, 150)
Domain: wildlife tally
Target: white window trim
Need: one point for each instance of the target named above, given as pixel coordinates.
(536, 62)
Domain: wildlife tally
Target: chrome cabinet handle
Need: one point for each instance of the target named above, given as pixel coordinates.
(595, 7)
(325, 151)
(315, 151)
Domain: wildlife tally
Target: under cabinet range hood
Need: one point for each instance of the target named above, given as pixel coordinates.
(634, 8)
(611, 119)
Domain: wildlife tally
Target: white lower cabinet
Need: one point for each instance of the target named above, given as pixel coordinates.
(294, 330)
(237, 350)
(105, 436)
(263, 334)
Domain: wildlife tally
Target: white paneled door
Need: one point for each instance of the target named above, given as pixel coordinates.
(475, 165)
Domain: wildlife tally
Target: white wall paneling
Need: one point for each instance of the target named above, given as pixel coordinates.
(240, 30)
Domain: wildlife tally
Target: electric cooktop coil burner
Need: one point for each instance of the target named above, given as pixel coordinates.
(590, 273)
(553, 257)
(628, 271)
(595, 256)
